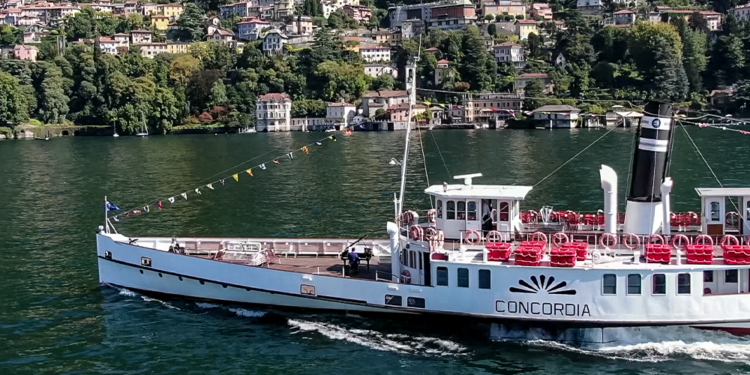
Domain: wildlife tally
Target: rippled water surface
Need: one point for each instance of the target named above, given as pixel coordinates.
(56, 318)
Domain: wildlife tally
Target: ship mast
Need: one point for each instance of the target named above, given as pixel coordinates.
(411, 90)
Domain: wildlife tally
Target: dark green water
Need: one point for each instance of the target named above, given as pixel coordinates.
(56, 318)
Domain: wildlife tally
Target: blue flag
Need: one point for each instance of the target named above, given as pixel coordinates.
(112, 207)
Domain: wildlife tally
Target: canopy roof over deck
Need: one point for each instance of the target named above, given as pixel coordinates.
(479, 191)
(723, 192)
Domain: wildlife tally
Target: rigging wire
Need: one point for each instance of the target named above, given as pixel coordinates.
(440, 153)
(574, 156)
(419, 131)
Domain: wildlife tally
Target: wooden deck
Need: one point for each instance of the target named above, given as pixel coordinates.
(331, 266)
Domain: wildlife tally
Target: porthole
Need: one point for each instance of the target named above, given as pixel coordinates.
(223, 285)
(248, 289)
(141, 272)
(180, 277)
(160, 275)
(202, 282)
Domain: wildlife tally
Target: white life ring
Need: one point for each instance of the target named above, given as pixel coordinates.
(700, 240)
(406, 276)
(539, 236)
(472, 237)
(629, 244)
(729, 238)
(416, 233)
(560, 238)
(432, 215)
(680, 241)
(606, 244)
(494, 236)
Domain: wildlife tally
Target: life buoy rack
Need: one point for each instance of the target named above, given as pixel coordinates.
(732, 218)
(657, 237)
(534, 216)
(608, 241)
(701, 240)
(416, 233)
(437, 241)
(432, 215)
(729, 238)
(627, 241)
(571, 216)
(694, 218)
(559, 239)
(539, 236)
(472, 237)
(406, 276)
(680, 241)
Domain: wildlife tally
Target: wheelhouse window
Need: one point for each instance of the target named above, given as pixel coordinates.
(715, 214)
(659, 282)
(609, 284)
(634, 284)
(442, 276)
(683, 283)
(472, 210)
(463, 278)
(485, 279)
(730, 276)
(708, 276)
(461, 210)
(504, 211)
(450, 209)
(439, 209)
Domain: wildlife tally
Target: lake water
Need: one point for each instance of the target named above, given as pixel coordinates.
(56, 318)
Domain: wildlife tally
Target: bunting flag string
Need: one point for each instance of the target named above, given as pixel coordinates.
(236, 176)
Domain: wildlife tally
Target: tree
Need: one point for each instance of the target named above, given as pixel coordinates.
(340, 20)
(10, 35)
(51, 103)
(492, 29)
(13, 104)
(533, 91)
(536, 46)
(489, 18)
(383, 82)
(190, 23)
(477, 66)
(218, 96)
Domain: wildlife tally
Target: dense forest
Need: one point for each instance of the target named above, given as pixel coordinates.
(679, 61)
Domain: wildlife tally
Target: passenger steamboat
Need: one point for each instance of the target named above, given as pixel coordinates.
(476, 254)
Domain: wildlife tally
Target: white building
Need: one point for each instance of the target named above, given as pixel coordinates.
(371, 54)
(510, 52)
(250, 30)
(273, 42)
(110, 45)
(741, 13)
(273, 113)
(340, 112)
(589, 6)
(374, 100)
(330, 6)
(557, 116)
(140, 36)
(377, 70)
(241, 9)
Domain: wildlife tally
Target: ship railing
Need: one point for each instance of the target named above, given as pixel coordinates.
(387, 276)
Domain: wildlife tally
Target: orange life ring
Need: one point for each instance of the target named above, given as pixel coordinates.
(539, 236)
(432, 215)
(494, 236)
(655, 237)
(407, 218)
(747, 240)
(406, 276)
(700, 240)
(429, 233)
(438, 240)
(682, 243)
(416, 233)
(732, 218)
(629, 244)
(694, 218)
(605, 244)
(472, 237)
(557, 239)
(533, 216)
(729, 238)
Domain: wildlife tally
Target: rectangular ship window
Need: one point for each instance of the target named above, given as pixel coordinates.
(442, 276)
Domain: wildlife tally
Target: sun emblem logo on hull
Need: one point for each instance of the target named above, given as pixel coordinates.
(543, 283)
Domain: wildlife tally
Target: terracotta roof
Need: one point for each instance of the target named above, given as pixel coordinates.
(140, 31)
(405, 106)
(254, 20)
(443, 61)
(224, 32)
(385, 94)
(725, 91)
(528, 22)
(432, 49)
(275, 96)
(507, 44)
(375, 47)
(624, 11)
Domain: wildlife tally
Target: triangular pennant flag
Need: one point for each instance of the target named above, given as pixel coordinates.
(249, 171)
(333, 138)
(159, 204)
(263, 166)
(318, 143)
(171, 199)
(197, 191)
(305, 150)
(210, 186)
(236, 177)
(290, 156)
(146, 208)
(115, 219)
(222, 182)
(127, 214)
(184, 195)
(276, 161)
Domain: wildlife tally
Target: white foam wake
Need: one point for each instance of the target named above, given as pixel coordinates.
(129, 293)
(238, 311)
(399, 343)
(658, 344)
